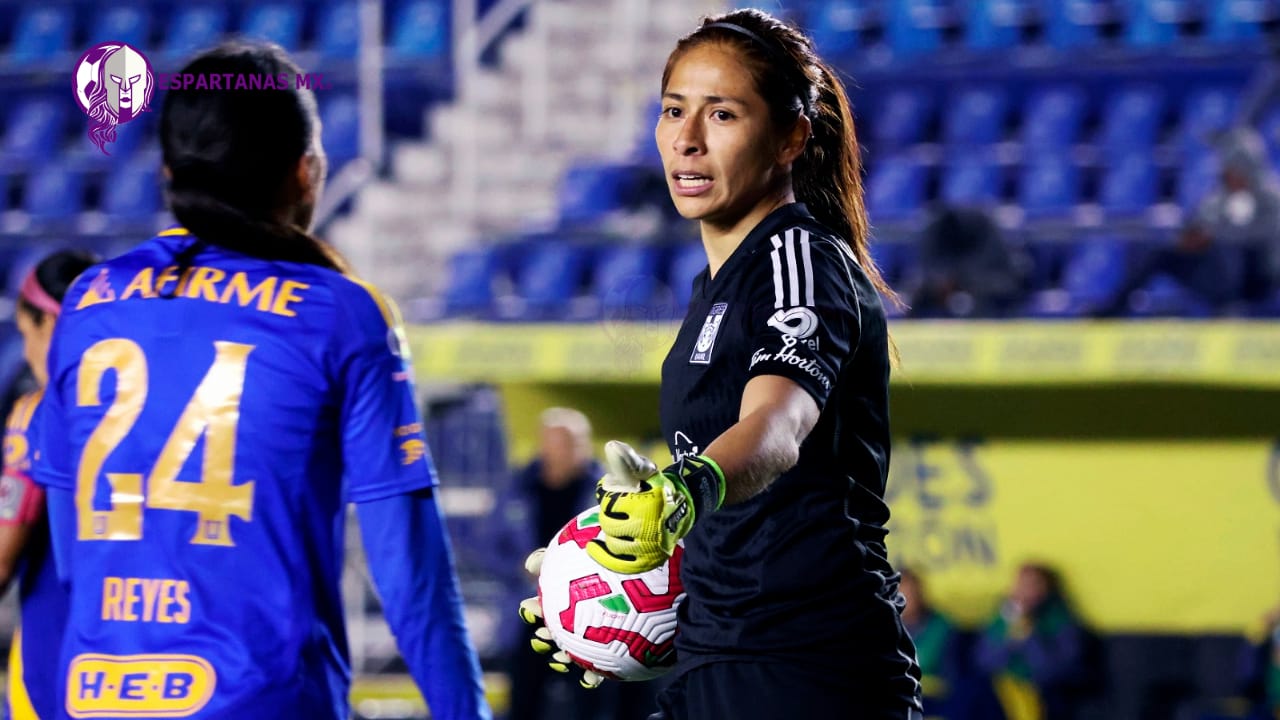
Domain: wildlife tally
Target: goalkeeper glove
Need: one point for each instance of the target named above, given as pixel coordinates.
(542, 642)
(644, 513)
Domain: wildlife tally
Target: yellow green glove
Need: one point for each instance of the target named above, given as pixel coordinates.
(644, 513)
(542, 642)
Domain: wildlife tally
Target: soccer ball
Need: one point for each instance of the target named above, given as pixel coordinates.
(620, 626)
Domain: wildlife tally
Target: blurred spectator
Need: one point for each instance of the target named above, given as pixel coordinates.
(966, 269)
(1230, 251)
(1260, 670)
(543, 496)
(1036, 650)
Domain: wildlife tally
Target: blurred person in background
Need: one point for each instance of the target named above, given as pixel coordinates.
(966, 268)
(241, 335)
(1036, 651)
(1260, 669)
(34, 676)
(557, 485)
(1229, 252)
(774, 400)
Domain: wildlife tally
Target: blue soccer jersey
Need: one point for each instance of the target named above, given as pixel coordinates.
(34, 675)
(212, 425)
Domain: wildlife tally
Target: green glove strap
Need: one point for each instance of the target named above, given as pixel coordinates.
(702, 479)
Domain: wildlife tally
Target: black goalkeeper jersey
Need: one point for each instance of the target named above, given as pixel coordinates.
(800, 571)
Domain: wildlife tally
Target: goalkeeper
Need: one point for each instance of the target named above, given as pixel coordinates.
(774, 400)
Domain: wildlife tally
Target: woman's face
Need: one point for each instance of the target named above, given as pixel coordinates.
(718, 145)
(35, 343)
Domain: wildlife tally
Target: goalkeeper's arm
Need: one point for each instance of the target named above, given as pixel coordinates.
(412, 564)
(775, 417)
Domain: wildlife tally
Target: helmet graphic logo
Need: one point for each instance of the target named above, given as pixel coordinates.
(113, 84)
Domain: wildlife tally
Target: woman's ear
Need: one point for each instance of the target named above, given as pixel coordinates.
(794, 143)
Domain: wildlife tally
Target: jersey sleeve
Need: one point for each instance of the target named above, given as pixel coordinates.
(803, 319)
(384, 444)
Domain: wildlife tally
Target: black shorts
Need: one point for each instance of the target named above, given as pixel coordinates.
(775, 691)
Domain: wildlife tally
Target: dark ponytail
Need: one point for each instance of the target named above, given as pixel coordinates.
(230, 154)
(793, 80)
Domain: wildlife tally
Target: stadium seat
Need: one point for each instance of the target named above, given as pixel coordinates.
(1154, 23)
(976, 116)
(1269, 128)
(54, 194)
(973, 179)
(901, 117)
(34, 129)
(625, 280)
(339, 30)
(896, 189)
(1131, 118)
(1053, 118)
(893, 258)
(590, 191)
(915, 26)
(1198, 178)
(421, 30)
(1129, 184)
(129, 24)
(1073, 23)
(1206, 111)
(340, 133)
(1091, 275)
(471, 281)
(280, 23)
(550, 275)
(194, 27)
(835, 25)
(686, 262)
(996, 24)
(131, 194)
(1050, 186)
(42, 33)
(1232, 21)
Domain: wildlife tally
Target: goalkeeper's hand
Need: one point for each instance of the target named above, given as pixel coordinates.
(644, 513)
(542, 642)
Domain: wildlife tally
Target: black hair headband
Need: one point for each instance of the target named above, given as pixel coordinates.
(775, 56)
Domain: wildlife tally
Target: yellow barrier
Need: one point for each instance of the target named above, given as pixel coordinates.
(1004, 353)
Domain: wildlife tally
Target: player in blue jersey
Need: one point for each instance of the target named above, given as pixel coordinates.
(216, 396)
(24, 531)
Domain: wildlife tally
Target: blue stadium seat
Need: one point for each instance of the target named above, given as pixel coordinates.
(1269, 128)
(1165, 296)
(131, 194)
(54, 194)
(1207, 111)
(896, 189)
(471, 278)
(192, 28)
(835, 25)
(1131, 118)
(339, 30)
(901, 117)
(129, 24)
(976, 116)
(589, 191)
(1198, 178)
(1053, 118)
(1129, 185)
(1231, 21)
(42, 32)
(340, 133)
(1073, 23)
(686, 262)
(914, 26)
(996, 24)
(421, 30)
(972, 179)
(34, 129)
(1050, 186)
(551, 274)
(1092, 274)
(1154, 23)
(625, 279)
(280, 23)
(893, 258)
